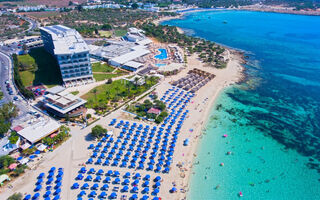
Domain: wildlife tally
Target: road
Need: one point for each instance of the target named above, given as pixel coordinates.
(33, 24)
(5, 74)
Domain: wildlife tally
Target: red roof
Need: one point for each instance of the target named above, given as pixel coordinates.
(154, 111)
(18, 128)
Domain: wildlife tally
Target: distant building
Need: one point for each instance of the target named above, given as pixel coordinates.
(61, 103)
(71, 52)
(137, 36)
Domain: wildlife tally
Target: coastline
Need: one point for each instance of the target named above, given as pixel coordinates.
(200, 110)
(196, 120)
(232, 74)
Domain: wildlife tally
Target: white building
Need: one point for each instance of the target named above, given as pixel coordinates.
(62, 103)
(127, 55)
(36, 131)
(71, 52)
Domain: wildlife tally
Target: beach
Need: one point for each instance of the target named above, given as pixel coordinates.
(73, 153)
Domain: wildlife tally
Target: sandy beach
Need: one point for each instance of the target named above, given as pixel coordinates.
(74, 152)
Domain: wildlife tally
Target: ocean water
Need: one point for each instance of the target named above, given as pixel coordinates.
(272, 119)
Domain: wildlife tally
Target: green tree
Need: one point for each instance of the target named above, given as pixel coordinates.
(94, 91)
(134, 6)
(15, 196)
(5, 161)
(13, 137)
(98, 131)
(106, 27)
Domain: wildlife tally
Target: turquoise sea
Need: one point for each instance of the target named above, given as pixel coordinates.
(272, 119)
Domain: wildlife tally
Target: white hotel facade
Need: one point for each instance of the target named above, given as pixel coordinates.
(71, 52)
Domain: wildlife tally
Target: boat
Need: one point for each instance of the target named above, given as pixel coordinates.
(225, 22)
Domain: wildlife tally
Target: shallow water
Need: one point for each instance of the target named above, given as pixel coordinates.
(272, 119)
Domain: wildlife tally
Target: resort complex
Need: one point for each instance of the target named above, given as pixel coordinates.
(159, 100)
(112, 117)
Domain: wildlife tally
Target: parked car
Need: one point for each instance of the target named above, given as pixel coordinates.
(15, 98)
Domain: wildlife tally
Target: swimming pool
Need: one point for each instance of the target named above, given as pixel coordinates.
(163, 54)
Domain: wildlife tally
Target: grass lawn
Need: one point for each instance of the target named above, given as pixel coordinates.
(101, 77)
(98, 67)
(47, 72)
(120, 32)
(75, 92)
(116, 90)
(27, 77)
(27, 59)
(106, 34)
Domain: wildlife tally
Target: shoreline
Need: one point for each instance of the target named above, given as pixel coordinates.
(236, 61)
(204, 118)
(197, 119)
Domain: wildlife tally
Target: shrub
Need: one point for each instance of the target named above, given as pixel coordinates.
(15, 196)
(98, 131)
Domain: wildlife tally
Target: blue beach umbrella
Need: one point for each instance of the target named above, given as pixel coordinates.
(145, 197)
(82, 193)
(126, 181)
(57, 191)
(95, 186)
(117, 180)
(58, 185)
(127, 174)
(89, 178)
(38, 187)
(158, 178)
(135, 189)
(75, 186)
(92, 194)
(103, 194)
(157, 184)
(135, 182)
(39, 181)
(36, 196)
(85, 186)
(125, 188)
(105, 187)
(107, 179)
(27, 197)
(113, 195)
(145, 190)
(47, 193)
(41, 175)
(83, 170)
(147, 177)
(156, 191)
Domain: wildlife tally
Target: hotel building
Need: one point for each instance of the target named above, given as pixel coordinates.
(71, 52)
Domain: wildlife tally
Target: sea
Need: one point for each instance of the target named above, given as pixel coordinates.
(272, 119)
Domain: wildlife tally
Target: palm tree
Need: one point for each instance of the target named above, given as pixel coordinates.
(136, 79)
(94, 91)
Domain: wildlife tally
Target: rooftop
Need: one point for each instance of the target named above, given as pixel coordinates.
(60, 100)
(138, 52)
(39, 130)
(66, 40)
